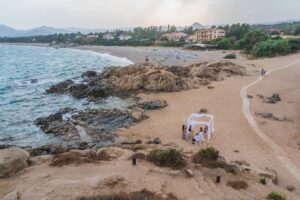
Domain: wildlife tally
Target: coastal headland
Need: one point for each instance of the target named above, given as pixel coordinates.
(172, 85)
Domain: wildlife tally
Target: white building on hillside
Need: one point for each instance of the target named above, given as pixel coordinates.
(109, 36)
(124, 37)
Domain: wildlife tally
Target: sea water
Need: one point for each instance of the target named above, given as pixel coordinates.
(22, 100)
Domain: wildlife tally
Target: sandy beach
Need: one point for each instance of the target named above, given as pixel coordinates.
(234, 137)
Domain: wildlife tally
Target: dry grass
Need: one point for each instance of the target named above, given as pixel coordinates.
(140, 195)
(167, 158)
(69, 158)
(276, 196)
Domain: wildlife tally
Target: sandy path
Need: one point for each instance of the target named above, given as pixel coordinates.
(280, 153)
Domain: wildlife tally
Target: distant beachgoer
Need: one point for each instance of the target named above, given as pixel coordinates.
(263, 72)
(147, 59)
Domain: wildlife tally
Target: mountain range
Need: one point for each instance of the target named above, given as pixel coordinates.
(6, 31)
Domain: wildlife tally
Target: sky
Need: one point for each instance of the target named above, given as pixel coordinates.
(24, 14)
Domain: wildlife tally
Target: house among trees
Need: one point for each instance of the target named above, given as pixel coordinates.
(123, 37)
(91, 36)
(109, 36)
(206, 35)
(174, 36)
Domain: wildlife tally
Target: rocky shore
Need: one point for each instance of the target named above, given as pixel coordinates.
(90, 127)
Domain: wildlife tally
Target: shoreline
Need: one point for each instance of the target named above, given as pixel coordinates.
(157, 55)
(234, 138)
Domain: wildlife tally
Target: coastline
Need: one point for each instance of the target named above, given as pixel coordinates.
(234, 137)
(158, 55)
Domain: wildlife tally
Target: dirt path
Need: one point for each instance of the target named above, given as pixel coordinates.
(279, 152)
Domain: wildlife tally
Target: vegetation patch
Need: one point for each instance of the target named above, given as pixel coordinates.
(270, 48)
(167, 158)
(276, 196)
(69, 158)
(140, 195)
(230, 56)
(209, 154)
(238, 185)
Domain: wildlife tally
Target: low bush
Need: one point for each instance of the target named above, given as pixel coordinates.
(167, 158)
(276, 196)
(294, 44)
(270, 48)
(238, 185)
(230, 56)
(208, 154)
(140, 195)
(221, 43)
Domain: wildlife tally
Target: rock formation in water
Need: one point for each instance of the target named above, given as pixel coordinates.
(136, 78)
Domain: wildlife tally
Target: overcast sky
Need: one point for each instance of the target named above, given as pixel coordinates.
(24, 14)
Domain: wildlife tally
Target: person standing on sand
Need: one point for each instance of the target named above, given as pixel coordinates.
(146, 58)
(263, 72)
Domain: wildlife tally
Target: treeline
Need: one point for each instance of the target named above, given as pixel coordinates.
(138, 37)
(258, 42)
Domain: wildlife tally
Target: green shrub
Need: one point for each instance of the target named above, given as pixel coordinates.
(270, 48)
(167, 158)
(276, 196)
(230, 56)
(294, 44)
(250, 39)
(208, 154)
(221, 43)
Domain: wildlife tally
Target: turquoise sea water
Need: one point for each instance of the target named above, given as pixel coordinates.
(21, 101)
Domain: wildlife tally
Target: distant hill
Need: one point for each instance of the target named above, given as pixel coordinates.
(288, 26)
(6, 31)
(197, 25)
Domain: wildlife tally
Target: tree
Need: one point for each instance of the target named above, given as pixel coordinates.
(237, 31)
(271, 48)
(297, 31)
(221, 43)
(250, 39)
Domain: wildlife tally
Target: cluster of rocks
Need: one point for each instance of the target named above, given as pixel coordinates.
(272, 99)
(268, 115)
(125, 81)
(89, 126)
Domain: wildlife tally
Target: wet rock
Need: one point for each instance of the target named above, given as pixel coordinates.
(33, 81)
(60, 87)
(89, 74)
(78, 90)
(153, 105)
(12, 160)
(89, 126)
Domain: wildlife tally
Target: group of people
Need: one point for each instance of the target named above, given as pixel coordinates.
(199, 137)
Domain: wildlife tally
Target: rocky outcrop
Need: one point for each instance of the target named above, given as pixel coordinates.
(124, 81)
(89, 126)
(12, 160)
(152, 105)
(60, 87)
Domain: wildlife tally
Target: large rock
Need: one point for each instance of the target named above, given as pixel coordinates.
(153, 105)
(124, 81)
(60, 87)
(12, 160)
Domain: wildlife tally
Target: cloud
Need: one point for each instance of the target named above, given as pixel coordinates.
(121, 13)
